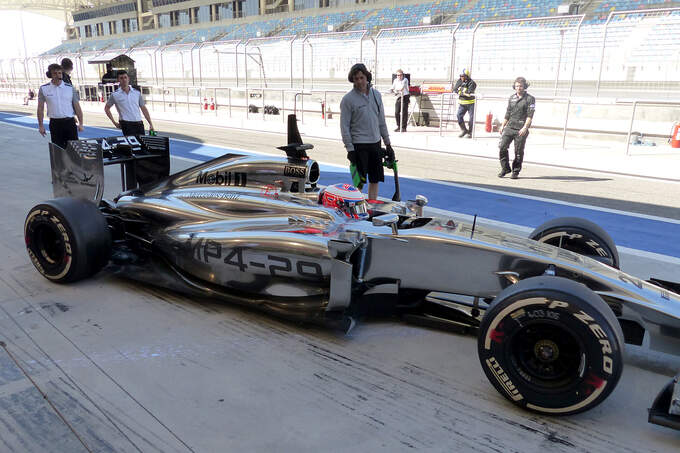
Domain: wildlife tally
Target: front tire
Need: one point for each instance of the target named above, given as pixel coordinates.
(67, 239)
(579, 236)
(551, 345)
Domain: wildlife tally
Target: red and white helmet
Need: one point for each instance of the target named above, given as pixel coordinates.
(347, 199)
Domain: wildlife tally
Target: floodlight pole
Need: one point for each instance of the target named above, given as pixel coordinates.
(559, 61)
(573, 66)
(472, 47)
(604, 44)
(236, 60)
(304, 41)
(23, 39)
(290, 54)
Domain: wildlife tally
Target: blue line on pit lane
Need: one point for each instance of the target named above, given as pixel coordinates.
(650, 235)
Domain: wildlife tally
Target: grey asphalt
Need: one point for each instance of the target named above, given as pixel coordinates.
(127, 367)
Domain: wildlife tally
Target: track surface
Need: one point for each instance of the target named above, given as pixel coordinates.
(133, 368)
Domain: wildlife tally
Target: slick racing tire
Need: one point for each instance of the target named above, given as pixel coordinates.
(67, 239)
(551, 345)
(580, 236)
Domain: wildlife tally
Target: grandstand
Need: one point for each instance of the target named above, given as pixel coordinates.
(516, 36)
(94, 29)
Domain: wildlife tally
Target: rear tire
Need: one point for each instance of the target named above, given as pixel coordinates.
(67, 239)
(551, 345)
(579, 236)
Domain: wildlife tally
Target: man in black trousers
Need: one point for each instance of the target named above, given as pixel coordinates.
(128, 102)
(62, 105)
(515, 127)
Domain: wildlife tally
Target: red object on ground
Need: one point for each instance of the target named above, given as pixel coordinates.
(205, 103)
(212, 104)
(489, 119)
(675, 135)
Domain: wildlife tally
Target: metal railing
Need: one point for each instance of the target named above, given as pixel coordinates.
(218, 100)
(626, 121)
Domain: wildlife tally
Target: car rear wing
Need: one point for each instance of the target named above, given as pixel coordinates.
(78, 170)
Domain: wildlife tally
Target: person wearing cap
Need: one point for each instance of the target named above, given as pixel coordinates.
(465, 88)
(362, 124)
(67, 67)
(401, 89)
(515, 127)
(128, 102)
(62, 104)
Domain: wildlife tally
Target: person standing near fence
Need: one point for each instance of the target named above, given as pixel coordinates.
(400, 87)
(128, 102)
(62, 104)
(362, 124)
(465, 88)
(515, 127)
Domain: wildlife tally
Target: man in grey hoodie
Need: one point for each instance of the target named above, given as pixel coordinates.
(362, 125)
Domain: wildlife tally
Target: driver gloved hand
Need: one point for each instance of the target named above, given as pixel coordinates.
(352, 157)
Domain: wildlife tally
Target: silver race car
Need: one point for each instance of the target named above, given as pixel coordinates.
(552, 311)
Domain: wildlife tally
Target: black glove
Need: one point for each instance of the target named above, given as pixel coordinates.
(352, 157)
(389, 153)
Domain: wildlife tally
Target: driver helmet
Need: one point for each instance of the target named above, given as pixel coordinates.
(346, 198)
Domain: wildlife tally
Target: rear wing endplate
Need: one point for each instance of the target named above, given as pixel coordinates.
(78, 170)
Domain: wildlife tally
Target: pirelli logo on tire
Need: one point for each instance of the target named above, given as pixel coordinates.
(503, 379)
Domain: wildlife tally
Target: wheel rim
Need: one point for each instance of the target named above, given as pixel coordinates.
(564, 239)
(48, 245)
(547, 356)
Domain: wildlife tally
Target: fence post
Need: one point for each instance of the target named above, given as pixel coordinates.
(604, 44)
(566, 119)
(472, 47)
(324, 108)
(630, 126)
(559, 62)
(573, 66)
(441, 115)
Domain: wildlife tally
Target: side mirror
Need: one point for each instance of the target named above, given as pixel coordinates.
(390, 220)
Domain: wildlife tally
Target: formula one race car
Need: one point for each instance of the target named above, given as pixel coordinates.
(552, 312)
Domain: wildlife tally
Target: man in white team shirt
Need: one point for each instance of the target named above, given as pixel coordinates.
(401, 89)
(62, 105)
(128, 102)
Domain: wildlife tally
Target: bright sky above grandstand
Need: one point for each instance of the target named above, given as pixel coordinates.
(41, 33)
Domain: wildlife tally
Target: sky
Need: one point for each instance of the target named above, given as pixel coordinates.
(41, 33)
